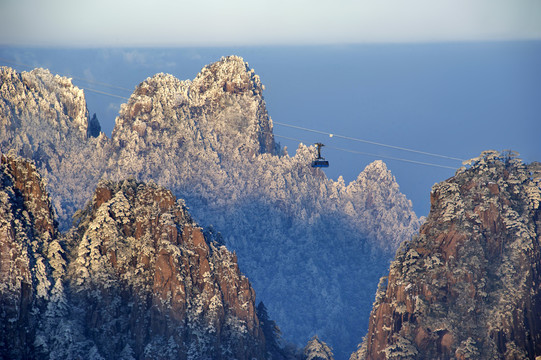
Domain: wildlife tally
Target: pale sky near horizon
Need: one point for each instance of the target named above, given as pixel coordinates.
(263, 22)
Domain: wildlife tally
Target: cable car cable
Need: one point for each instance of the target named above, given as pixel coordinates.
(373, 155)
(367, 141)
(105, 93)
(73, 77)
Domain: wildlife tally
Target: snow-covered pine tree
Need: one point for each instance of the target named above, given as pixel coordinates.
(317, 350)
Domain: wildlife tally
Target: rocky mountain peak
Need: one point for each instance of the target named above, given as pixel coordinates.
(377, 191)
(230, 75)
(30, 96)
(27, 182)
(44, 117)
(136, 243)
(136, 278)
(211, 143)
(317, 350)
(376, 171)
(238, 116)
(466, 286)
(222, 110)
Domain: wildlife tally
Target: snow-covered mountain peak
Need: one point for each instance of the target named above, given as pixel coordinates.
(222, 109)
(376, 171)
(377, 191)
(230, 75)
(210, 141)
(136, 278)
(38, 94)
(152, 83)
(230, 97)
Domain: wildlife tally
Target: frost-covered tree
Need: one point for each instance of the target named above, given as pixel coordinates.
(317, 350)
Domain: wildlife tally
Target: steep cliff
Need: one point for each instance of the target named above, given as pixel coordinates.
(30, 256)
(220, 113)
(136, 278)
(210, 140)
(467, 287)
(147, 280)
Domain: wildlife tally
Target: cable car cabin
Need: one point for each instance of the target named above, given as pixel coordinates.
(320, 161)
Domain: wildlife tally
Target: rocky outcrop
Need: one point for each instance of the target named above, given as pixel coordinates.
(222, 110)
(136, 278)
(44, 117)
(145, 275)
(29, 256)
(467, 287)
(376, 193)
(210, 141)
(39, 98)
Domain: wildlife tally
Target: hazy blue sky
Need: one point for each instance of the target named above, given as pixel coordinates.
(263, 22)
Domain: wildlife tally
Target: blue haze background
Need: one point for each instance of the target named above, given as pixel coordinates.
(456, 99)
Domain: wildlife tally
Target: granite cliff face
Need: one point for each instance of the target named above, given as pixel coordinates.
(137, 278)
(137, 245)
(30, 256)
(467, 287)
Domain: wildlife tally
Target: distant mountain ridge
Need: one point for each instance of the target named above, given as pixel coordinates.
(210, 141)
(467, 287)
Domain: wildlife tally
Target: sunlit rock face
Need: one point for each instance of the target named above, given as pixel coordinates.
(221, 111)
(467, 287)
(136, 278)
(210, 141)
(144, 274)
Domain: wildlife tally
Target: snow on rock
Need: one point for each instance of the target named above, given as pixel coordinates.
(28, 255)
(40, 98)
(44, 117)
(377, 194)
(137, 277)
(467, 287)
(210, 141)
(137, 245)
